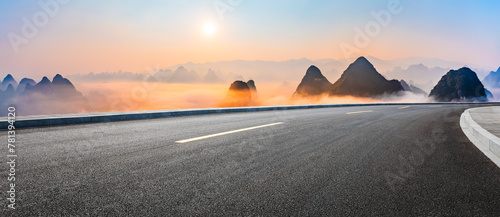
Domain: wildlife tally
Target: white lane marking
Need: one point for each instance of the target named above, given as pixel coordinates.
(228, 132)
(349, 113)
(404, 107)
(435, 106)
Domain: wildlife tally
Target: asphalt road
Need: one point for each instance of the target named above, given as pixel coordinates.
(351, 161)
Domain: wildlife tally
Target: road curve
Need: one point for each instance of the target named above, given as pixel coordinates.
(372, 160)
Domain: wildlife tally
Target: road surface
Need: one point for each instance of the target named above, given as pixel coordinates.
(375, 160)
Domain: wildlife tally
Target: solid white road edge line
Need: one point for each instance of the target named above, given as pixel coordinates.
(225, 133)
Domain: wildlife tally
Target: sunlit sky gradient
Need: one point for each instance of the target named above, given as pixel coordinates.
(114, 35)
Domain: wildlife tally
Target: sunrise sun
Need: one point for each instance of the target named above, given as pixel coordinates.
(209, 29)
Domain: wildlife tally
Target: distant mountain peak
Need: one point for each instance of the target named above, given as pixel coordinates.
(410, 87)
(25, 82)
(312, 84)
(239, 86)
(239, 94)
(362, 64)
(419, 66)
(8, 80)
(251, 85)
(314, 71)
(46, 97)
(459, 85)
(492, 80)
(44, 80)
(61, 81)
(183, 75)
(211, 77)
(466, 70)
(362, 59)
(8, 77)
(362, 79)
(58, 76)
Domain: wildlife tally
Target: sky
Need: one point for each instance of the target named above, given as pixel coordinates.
(82, 36)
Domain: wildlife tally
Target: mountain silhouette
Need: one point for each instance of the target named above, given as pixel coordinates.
(163, 75)
(253, 89)
(58, 80)
(239, 86)
(459, 85)
(212, 78)
(284, 89)
(23, 83)
(492, 80)
(412, 88)
(59, 88)
(362, 79)
(63, 88)
(312, 84)
(239, 95)
(8, 80)
(251, 85)
(160, 76)
(58, 96)
(182, 75)
(424, 76)
(42, 87)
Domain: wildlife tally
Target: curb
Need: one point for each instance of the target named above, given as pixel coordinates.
(486, 142)
(71, 119)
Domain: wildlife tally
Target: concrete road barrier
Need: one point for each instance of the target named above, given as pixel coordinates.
(488, 143)
(69, 119)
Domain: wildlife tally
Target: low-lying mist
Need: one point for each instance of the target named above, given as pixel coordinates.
(496, 94)
(138, 96)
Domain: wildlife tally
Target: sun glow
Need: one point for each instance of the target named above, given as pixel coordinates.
(209, 29)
